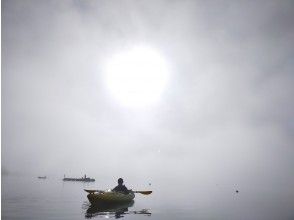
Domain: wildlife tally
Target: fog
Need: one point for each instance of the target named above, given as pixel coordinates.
(226, 115)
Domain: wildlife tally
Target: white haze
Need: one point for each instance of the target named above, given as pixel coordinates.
(226, 115)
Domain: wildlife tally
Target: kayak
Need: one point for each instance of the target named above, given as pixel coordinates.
(110, 197)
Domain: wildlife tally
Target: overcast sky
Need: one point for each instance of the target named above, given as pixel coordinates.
(226, 112)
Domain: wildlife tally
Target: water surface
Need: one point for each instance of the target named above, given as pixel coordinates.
(32, 198)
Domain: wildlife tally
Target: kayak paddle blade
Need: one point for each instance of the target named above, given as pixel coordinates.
(144, 192)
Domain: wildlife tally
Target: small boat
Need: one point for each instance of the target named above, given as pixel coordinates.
(83, 179)
(110, 197)
(79, 179)
(42, 177)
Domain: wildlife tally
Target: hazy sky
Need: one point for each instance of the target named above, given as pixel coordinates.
(226, 112)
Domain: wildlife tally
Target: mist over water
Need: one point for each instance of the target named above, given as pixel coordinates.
(223, 121)
(52, 198)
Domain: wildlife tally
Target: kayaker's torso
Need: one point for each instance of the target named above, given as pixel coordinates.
(121, 188)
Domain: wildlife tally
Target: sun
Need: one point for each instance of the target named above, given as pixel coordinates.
(136, 77)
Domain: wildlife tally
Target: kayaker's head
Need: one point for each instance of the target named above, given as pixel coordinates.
(120, 181)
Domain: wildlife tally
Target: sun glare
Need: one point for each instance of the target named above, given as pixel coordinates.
(136, 77)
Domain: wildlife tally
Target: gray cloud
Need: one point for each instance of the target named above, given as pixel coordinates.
(226, 114)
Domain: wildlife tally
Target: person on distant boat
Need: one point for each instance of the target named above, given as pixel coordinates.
(120, 187)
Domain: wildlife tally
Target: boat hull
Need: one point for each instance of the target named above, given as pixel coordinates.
(110, 197)
(42, 177)
(79, 179)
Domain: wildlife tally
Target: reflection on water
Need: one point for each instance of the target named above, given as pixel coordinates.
(112, 211)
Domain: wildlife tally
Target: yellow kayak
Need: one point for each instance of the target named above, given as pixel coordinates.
(110, 197)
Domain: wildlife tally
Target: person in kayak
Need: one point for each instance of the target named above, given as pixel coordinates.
(120, 187)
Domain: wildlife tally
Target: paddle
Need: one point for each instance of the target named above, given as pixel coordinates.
(93, 190)
(142, 192)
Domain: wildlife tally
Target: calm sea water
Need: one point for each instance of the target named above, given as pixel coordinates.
(32, 198)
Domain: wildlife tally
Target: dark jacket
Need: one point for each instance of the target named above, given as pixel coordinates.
(121, 188)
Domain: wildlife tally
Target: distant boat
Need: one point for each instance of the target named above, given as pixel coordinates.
(42, 177)
(83, 179)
